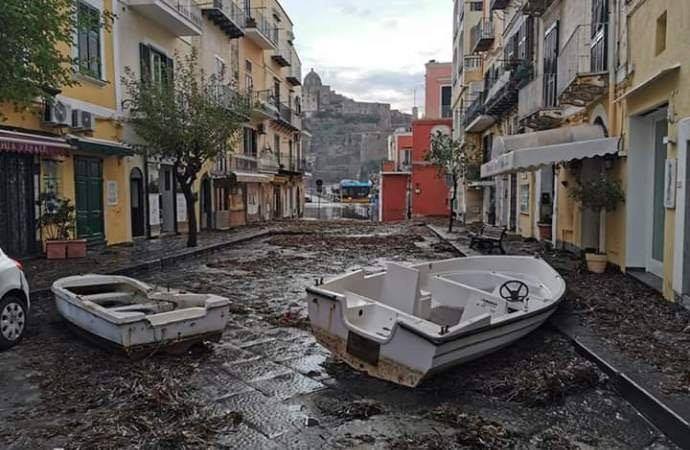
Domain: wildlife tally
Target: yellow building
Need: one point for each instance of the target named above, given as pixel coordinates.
(82, 159)
(654, 97)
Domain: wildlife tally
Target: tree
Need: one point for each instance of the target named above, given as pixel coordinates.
(188, 118)
(446, 153)
(35, 35)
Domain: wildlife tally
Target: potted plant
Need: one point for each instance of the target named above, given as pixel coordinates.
(56, 220)
(545, 232)
(600, 195)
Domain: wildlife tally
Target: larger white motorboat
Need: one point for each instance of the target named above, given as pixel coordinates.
(135, 317)
(409, 322)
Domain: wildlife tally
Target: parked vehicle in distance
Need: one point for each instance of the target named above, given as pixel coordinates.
(352, 191)
(14, 301)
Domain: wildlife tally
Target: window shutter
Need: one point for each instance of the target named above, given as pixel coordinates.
(169, 72)
(94, 62)
(145, 62)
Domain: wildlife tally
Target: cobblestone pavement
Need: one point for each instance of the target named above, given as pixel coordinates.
(268, 384)
(42, 272)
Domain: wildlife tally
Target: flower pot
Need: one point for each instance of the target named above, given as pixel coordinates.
(56, 249)
(76, 248)
(596, 263)
(544, 231)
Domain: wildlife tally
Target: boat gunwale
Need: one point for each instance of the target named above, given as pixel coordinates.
(438, 340)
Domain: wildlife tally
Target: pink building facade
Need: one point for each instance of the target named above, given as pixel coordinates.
(439, 90)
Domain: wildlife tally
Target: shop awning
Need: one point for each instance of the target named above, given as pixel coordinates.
(35, 144)
(100, 146)
(531, 151)
(248, 177)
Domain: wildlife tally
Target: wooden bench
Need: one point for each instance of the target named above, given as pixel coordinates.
(489, 237)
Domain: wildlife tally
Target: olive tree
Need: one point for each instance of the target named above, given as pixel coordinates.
(185, 117)
(446, 153)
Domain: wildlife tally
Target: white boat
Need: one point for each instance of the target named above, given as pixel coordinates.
(409, 322)
(133, 316)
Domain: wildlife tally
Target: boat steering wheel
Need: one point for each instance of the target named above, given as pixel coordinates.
(514, 291)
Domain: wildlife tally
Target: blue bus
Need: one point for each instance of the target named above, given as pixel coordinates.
(352, 191)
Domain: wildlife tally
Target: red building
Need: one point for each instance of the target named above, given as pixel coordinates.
(410, 185)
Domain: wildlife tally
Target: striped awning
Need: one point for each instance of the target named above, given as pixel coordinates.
(34, 144)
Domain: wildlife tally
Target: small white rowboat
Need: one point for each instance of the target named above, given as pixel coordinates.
(407, 323)
(132, 316)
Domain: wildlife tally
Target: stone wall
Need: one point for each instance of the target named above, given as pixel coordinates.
(348, 136)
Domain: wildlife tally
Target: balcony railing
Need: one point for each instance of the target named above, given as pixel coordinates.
(182, 18)
(472, 63)
(268, 164)
(243, 163)
(482, 36)
(229, 16)
(262, 32)
(292, 164)
(288, 116)
(535, 8)
(475, 109)
(533, 112)
(282, 56)
(294, 76)
(231, 98)
(265, 104)
(583, 66)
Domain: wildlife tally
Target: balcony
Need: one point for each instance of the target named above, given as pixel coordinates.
(482, 36)
(282, 56)
(476, 119)
(231, 98)
(502, 94)
(268, 164)
(227, 15)
(182, 18)
(264, 105)
(499, 4)
(294, 76)
(243, 163)
(535, 8)
(532, 110)
(583, 67)
(260, 31)
(288, 118)
(292, 165)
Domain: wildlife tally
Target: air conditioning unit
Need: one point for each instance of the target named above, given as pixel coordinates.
(57, 114)
(83, 120)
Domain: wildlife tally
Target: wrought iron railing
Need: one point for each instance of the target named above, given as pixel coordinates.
(189, 10)
(584, 52)
(475, 109)
(244, 163)
(481, 35)
(233, 11)
(268, 29)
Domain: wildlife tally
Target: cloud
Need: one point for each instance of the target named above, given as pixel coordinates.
(373, 50)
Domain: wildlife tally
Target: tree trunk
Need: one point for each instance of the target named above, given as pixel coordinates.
(452, 201)
(191, 215)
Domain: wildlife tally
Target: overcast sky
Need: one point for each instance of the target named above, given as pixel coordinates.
(373, 50)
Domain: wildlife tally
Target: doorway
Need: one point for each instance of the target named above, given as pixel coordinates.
(138, 213)
(655, 263)
(17, 193)
(88, 181)
(206, 204)
(168, 200)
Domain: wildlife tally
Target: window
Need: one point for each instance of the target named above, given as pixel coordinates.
(599, 50)
(276, 90)
(550, 66)
(476, 6)
(221, 70)
(276, 145)
(446, 96)
(524, 199)
(248, 79)
(407, 157)
(89, 40)
(156, 67)
(661, 33)
(250, 142)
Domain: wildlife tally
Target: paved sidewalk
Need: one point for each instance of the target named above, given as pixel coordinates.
(638, 380)
(140, 255)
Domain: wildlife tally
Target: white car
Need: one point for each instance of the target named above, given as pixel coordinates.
(14, 301)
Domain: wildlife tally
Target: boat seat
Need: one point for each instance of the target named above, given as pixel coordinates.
(477, 307)
(179, 315)
(109, 297)
(146, 308)
(401, 291)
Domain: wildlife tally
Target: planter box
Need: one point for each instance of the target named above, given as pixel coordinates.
(545, 231)
(76, 248)
(56, 249)
(596, 263)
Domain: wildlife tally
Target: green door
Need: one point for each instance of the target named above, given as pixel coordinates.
(88, 173)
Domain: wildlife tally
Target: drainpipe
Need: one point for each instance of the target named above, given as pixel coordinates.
(613, 66)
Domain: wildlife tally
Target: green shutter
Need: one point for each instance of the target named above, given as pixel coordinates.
(169, 72)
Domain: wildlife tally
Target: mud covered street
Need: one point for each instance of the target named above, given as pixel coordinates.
(269, 385)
